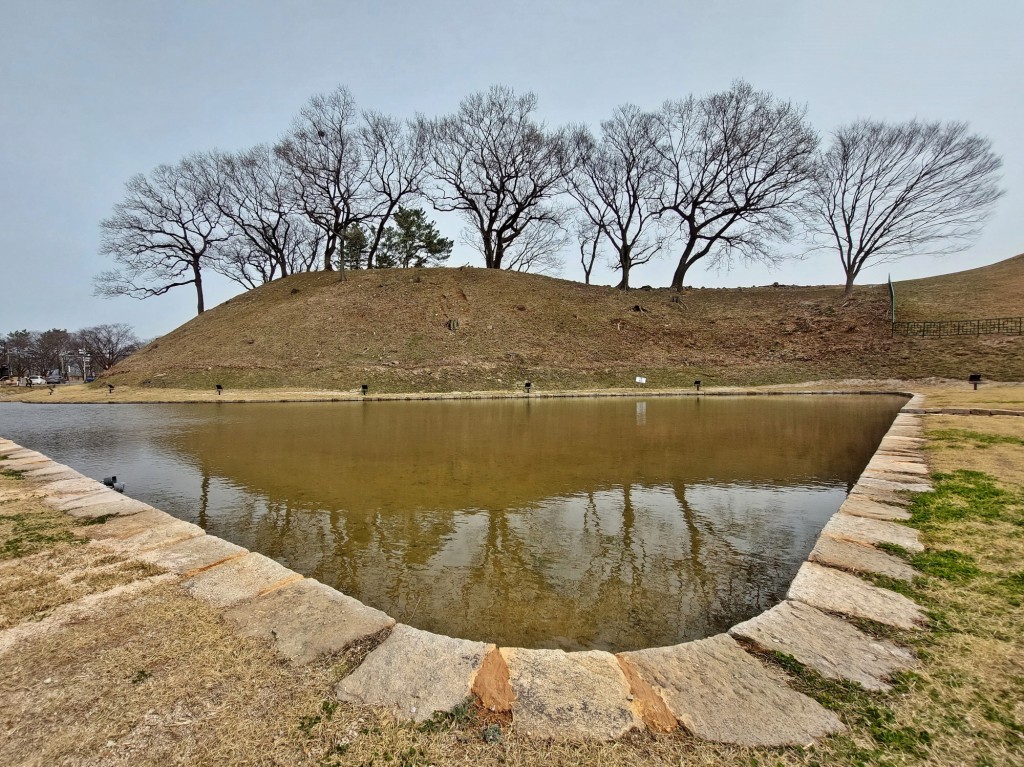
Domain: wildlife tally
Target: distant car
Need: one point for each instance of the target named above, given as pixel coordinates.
(54, 378)
(36, 381)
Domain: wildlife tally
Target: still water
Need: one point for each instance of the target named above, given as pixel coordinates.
(581, 524)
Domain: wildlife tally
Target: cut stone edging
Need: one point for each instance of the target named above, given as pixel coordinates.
(713, 688)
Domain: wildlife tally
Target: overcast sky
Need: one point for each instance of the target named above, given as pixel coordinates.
(92, 92)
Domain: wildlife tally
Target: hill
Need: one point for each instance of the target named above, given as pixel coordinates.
(477, 329)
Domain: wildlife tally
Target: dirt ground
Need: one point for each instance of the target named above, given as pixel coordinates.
(104, 661)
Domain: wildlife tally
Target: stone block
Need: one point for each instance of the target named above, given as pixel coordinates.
(903, 486)
(76, 486)
(859, 506)
(718, 692)
(307, 620)
(137, 533)
(872, 531)
(239, 580)
(192, 556)
(51, 473)
(859, 557)
(492, 685)
(116, 506)
(569, 696)
(837, 592)
(826, 644)
(415, 673)
(84, 499)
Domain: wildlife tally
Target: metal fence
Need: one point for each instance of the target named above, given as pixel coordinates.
(1007, 326)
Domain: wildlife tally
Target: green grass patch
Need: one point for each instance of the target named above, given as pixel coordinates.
(862, 710)
(893, 584)
(24, 534)
(962, 495)
(895, 549)
(462, 714)
(947, 564)
(12, 474)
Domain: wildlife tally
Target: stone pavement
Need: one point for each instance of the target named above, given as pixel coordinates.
(718, 688)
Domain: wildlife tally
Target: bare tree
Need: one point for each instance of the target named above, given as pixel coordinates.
(588, 237)
(498, 167)
(163, 233)
(538, 248)
(397, 158)
(615, 181)
(18, 347)
(49, 348)
(736, 168)
(885, 192)
(324, 155)
(108, 344)
(269, 236)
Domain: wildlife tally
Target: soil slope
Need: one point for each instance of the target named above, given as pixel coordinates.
(477, 329)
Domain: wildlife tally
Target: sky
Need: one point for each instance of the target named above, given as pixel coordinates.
(93, 92)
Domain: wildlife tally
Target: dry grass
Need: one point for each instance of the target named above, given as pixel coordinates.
(993, 396)
(986, 292)
(387, 328)
(955, 444)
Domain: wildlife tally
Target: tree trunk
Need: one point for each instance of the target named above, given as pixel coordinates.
(850, 277)
(198, 279)
(625, 262)
(329, 247)
(679, 275)
(685, 262)
(497, 255)
(378, 235)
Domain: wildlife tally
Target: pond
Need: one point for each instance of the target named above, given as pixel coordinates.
(609, 523)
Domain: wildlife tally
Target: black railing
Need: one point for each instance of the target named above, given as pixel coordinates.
(1006, 326)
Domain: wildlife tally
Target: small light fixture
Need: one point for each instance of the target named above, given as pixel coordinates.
(697, 384)
(527, 386)
(219, 389)
(110, 389)
(365, 388)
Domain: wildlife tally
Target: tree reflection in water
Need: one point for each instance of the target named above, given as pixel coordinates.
(572, 524)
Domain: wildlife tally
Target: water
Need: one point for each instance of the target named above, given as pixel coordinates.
(582, 524)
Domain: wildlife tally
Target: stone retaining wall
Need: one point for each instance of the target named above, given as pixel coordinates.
(716, 688)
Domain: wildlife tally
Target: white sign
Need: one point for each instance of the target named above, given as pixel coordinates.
(641, 379)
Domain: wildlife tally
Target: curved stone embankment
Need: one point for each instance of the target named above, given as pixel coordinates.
(717, 688)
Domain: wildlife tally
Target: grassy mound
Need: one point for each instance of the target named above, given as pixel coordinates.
(477, 329)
